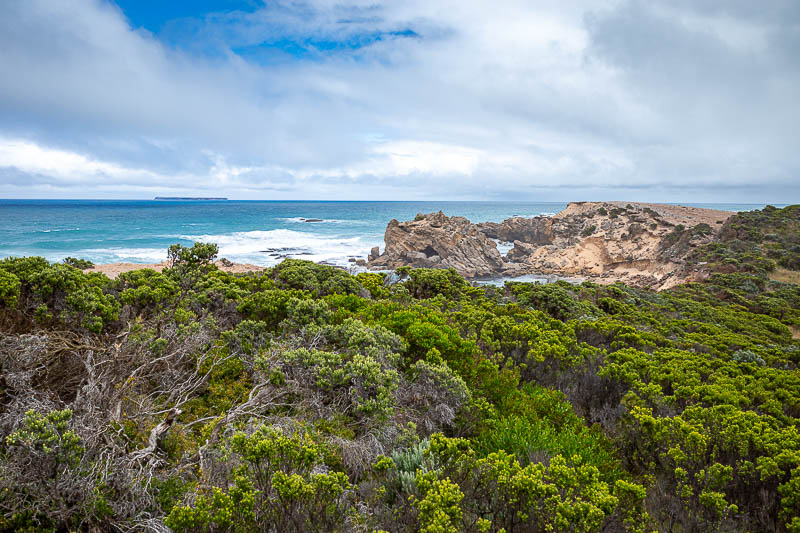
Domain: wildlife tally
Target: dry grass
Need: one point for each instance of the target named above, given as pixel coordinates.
(795, 332)
(784, 275)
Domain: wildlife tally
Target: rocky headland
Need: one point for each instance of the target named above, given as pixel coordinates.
(641, 244)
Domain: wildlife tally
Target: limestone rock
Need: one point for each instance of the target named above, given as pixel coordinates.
(438, 241)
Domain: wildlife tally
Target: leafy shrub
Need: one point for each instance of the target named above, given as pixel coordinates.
(80, 264)
(9, 289)
(275, 488)
(427, 283)
(363, 386)
(58, 291)
(187, 265)
(319, 280)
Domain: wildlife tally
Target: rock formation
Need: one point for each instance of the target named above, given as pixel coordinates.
(438, 241)
(640, 244)
(528, 230)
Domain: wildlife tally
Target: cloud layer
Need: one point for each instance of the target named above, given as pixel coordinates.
(669, 101)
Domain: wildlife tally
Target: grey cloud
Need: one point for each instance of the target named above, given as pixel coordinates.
(643, 100)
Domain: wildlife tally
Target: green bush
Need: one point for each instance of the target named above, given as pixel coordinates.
(9, 289)
(81, 264)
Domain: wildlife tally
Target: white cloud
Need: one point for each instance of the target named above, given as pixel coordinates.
(649, 100)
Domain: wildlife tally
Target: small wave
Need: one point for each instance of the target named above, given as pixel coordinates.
(56, 230)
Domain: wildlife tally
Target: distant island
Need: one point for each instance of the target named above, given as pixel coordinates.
(187, 198)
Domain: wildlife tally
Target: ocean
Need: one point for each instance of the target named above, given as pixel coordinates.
(258, 232)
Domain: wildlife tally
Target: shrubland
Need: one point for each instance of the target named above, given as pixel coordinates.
(306, 399)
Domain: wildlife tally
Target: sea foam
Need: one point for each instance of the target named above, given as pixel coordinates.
(273, 246)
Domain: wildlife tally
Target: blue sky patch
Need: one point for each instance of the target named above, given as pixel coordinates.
(153, 14)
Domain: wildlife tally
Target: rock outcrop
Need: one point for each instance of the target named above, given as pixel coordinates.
(641, 244)
(438, 241)
(535, 230)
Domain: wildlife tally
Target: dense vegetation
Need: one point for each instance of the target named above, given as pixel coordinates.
(757, 242)
(307, 399)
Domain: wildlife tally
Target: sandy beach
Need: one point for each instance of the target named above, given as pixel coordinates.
(112, 270)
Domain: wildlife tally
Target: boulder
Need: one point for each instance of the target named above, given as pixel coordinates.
(520, 251)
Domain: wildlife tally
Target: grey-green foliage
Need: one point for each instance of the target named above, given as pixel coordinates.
(358, 384)
(411, 460)
(746, 356)
(353, 335)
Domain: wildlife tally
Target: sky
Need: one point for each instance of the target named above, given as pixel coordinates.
(674, 100)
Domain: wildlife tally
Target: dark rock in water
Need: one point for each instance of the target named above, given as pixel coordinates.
(361, 262)
(351, 259)
(374, 253)
(312, 220)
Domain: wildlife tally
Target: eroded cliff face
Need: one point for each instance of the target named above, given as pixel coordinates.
(641, 244)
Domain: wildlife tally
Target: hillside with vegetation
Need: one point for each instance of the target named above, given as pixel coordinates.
(303, 398)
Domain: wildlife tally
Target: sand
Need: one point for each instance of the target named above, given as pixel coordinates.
(112, 270)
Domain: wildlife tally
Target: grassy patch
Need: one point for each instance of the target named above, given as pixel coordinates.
(785, 275)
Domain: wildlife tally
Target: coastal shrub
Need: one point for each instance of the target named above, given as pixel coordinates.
(746, 356)
(373, 282)
(61, 292)
(588, 230)
(81, 264)
(359, 385)
(468, 492)
(319, 280)
(556, 299)
(282, 484)
(44, 463)
(270, 306)
(146, 289)
(427, 283)
(701, 230)
(9, 289)
(187, 265)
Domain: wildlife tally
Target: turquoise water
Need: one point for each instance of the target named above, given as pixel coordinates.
(263, 233)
